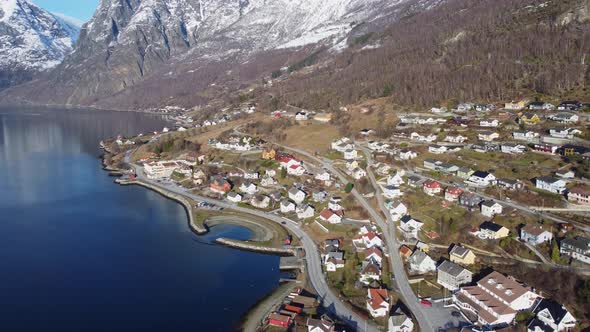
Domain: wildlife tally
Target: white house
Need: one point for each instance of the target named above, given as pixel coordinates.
(377, 302)
(554, 315)
(396, 179)
(452, 276)
(535, 234)
(437, 149)
(564, 133)
(455, 139)
(374, 254)
(391, 191)
(481, 179)
(323, 176)
(301, 116)
(248, 188)
(407, 155)
(251, 175)
(342, 144)
(368, 240)
(305, 211)
(512, 148)
(564, 117)
(350, 154)
(358, 173)
(330, 216)
(551, 184)
(489, 123)
(334, 260)
(334, 203)
(400, 322)
(234, 197)
(490, 208)
(526, 135)
(423, 138)
(397, 210)
(421, 263)
(268, 181)
(410, 226)
(296, 195)
(296, 170)
(287, 206)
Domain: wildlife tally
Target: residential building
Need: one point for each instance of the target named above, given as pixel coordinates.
(219, 185)
(287, 206)
(358, 173)
(510, 184)
(462, 255)
(495, 299)
(512, 148)
(396, 179)
(452, 276)
(342, 144)
(331, 216)
(374, 255)
(469, 200)
(526, 135)
(407, 154)
(551, 184)
(579, 195)
(260, 201)
(410, 226)
(368, 240)
(324, 324)
(323, 176)
(397, 209)
(578, 248)
(248, 188)
(528, 118)
(565, 173)
(545, 148)
(554, 315)
(482, 179)
(269, 154)
(536, 325)
(431, 187)
(405, 252)
(489, 123)
(305, 211)
(279, 320)
(234, 197)
(378, 302)
(541, 106)
(516, 106)
(569, 105)
(400, 322)
(421, 263)
(452, 194)
(334, 260)
(390, 191)
(350, 154)
(160, 169)
(493, 231)
(296, 170)
(319, 196)
(296, 195)
(464, 172)
(565, 133)
(535, 234)
(268, 181)
(369, 272)
(564, 117)
(455, 139)
(334, 203)
(490, 208)
(487, 136)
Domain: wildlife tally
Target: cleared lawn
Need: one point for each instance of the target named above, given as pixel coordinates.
(312, 137)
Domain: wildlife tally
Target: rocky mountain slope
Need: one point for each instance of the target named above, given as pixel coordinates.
(32, 40)
(129, 43)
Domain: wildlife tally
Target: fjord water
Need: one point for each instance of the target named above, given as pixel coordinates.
(79, 253)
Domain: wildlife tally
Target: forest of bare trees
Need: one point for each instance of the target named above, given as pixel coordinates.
(463, 50)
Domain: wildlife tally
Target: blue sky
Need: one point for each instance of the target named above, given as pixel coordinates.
(79, 9)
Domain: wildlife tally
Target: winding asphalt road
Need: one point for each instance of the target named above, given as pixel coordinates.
(429, 318)
(312, 254)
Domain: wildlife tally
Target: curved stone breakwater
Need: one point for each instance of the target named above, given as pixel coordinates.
(251, 247)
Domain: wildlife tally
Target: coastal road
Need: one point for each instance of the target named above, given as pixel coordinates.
(429, 319)
(312, 254)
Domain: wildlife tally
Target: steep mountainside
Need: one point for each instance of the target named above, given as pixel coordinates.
(31, 40)
(129, 43)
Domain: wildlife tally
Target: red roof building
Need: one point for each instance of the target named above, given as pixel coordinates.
(452, 194)
(275, 319)
(431, 187)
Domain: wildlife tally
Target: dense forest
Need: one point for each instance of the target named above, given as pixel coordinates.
(462, 50)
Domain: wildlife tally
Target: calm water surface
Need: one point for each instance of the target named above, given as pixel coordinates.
(79, 253)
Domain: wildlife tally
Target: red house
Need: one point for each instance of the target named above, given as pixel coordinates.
(452, 194)
(219, 185)
(293, 308)
(279, 320)
(431, 187)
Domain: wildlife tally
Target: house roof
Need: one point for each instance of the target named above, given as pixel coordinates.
(398, 317)
(286, 203)
(548, 179)
(419, 256)
(459, 251)
(556, 310)
(580, 191)
(537, 325)
(486, 300)
(488, 225)
(534, 230)
(294, 191)
(452, 268)
(377, 298)
(505, 288)
(489, 203)
(578, 242)
(327, 214)
(279, 317)
(373, 250)
(405, 250)
(371, 268)
(432, 184)
(454, 191)
(480, 174)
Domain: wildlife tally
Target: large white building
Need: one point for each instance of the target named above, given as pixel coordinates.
(495, 299)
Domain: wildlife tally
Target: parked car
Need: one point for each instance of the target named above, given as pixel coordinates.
(426, 303)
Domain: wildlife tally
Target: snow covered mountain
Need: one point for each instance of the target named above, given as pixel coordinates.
(128, 42)
(31, 40)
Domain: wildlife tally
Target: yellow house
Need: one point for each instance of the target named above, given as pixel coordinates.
(462, 255)
(268, 154)
(325, 117)
(528, 118)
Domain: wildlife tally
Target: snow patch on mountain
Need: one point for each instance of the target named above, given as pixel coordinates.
(32, 38)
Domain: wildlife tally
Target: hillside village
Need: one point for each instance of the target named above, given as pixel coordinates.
(483, 204)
